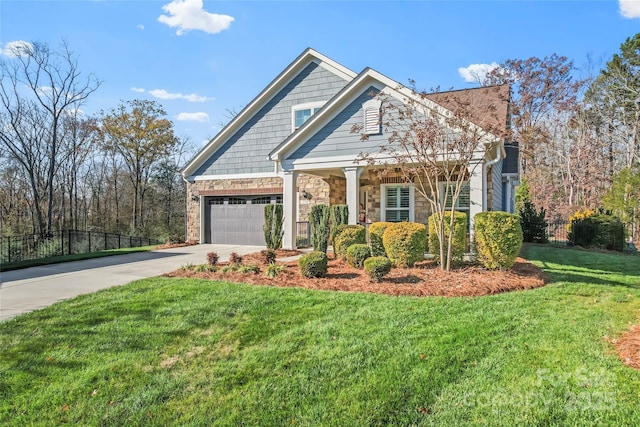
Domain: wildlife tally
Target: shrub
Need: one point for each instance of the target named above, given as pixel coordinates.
(313, 264)
(533, 222)
(234, 258)
(249, 268)
(212, 258)
(459, 244)
(600, 231)
(272, 227)
(339, 216)
(357, 254)
(268, 256)
(376, 230)
(319, 223)
(205, 268)
(272, 270)
(404, 243)
(498, 239)
(346, 236)
(377, 267)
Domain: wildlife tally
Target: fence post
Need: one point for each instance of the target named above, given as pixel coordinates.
(89, 238)
(105, 241)
(9, 248)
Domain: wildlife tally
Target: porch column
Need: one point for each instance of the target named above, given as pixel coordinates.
(353, 187)
(289, 209)
(476, 194)
(203, 221)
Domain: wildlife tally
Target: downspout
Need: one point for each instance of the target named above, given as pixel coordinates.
(485, 166)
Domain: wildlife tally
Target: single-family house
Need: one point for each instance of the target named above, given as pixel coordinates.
(294, 144)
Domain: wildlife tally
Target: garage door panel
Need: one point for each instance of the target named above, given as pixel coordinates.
(236, 223)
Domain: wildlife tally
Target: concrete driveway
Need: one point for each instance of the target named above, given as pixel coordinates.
(33, 288)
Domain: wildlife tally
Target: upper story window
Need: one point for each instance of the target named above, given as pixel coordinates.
(302, 112)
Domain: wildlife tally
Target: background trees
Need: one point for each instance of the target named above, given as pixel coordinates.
(60, 169)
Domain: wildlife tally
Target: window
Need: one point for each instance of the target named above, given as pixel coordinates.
(464, 199)
(397, 203)
(371, 113)
(303, 112)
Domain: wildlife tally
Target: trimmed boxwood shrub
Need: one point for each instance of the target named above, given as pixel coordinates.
(376, 230)
(459, 236)
(377, 267)
(314, 264)
(357, 254)
(404, 243)
(348, 235)
(498, 239)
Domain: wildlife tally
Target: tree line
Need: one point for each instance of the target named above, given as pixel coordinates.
(60, 169)
(118, 172)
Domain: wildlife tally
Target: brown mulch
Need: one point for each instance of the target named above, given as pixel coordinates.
(425, 279)
(174, 245)
(628, 347)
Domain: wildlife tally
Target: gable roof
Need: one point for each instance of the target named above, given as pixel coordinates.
(488, 106)
(293, 69)
(477, 101)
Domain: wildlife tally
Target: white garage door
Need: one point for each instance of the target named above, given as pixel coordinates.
(237, 220)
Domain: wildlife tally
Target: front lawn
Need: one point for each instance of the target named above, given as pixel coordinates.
(168, 351)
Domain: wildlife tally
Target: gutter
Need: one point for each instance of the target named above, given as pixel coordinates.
(500, 155)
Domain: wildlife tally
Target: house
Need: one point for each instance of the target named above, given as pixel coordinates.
(293, 144)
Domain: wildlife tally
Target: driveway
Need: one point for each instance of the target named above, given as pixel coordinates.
(33, 288)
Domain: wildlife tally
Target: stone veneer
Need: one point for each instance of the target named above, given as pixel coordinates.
(317, 187)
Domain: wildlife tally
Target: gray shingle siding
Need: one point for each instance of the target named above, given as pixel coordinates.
(336, 138)
(247, 150)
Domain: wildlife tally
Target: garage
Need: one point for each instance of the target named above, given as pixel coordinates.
(237, 220)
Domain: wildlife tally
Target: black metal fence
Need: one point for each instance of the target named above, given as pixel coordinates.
(560, 233)
(303, 234)
(65, 242)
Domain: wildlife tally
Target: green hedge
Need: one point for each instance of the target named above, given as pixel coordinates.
(377, 267)
(347, 235)
(404, 243)
(314, 264)
(376, 230)
(272, 227)
(459, 236)
(339, 216)
(498, 239)
(357, 254)
(600, 231)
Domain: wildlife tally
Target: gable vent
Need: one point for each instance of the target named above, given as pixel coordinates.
(371, 110)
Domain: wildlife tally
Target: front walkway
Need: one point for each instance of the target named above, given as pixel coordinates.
(33, 288)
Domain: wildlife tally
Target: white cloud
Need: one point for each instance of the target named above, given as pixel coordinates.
(476, 73)
(137, 89)
(630, 8)
(140, 27)
(16, 48)
(193, 117)
(189, 15)
(163, 94)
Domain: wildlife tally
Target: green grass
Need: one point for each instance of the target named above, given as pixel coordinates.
(7, 266)
(191, 352)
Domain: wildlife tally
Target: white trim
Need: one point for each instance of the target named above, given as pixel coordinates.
(235, 176)
(383, 200)
(306, 106)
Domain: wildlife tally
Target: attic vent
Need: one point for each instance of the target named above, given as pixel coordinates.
(371, 110)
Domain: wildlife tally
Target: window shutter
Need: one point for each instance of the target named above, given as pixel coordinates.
(371, 111)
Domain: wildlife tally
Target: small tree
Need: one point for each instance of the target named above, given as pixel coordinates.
(319, 223)
(534, 224)
(339, 216)
(272, 227)
(437, 141)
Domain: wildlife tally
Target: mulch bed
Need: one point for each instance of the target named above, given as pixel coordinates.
(425, 279)
(628, 347)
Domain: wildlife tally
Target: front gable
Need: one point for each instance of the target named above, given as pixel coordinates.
(243, 145)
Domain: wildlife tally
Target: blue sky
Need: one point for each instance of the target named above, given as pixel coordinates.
(199, 59)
